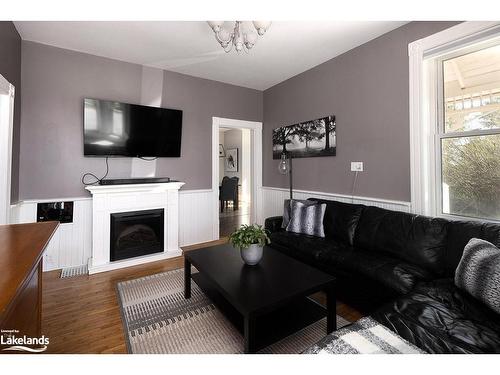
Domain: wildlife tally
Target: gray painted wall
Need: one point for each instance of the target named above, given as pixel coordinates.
(54, 83)
(232, 139)
(10, 68)
(367, 89)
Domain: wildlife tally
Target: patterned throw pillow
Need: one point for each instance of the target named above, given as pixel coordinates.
(478, 272)
(307, 219)
(287, 209)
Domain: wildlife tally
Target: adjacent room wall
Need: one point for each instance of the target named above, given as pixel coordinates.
(10, 68)
(367, 90)
(54, 83)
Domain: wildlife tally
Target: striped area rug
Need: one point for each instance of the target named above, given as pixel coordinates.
(158, 319)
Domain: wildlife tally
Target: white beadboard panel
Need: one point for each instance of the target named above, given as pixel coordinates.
(274, 197)
(14, 212)
(196, 212)
(71, 245)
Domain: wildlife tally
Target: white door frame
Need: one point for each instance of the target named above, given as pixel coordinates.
(6, 127)
(256, 181)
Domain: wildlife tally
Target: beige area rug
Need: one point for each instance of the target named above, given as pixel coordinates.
(158, 319)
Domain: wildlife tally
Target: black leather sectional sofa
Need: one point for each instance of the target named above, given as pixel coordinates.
(400, 267)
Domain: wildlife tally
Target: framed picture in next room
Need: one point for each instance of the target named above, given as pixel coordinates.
(232, 160)
(306, 139)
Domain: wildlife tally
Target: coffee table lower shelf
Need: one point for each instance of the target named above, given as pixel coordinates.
(269, 328)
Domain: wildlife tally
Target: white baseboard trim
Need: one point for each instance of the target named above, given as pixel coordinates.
(133, 261)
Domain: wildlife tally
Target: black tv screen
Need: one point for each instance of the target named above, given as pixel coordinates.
(122, 129)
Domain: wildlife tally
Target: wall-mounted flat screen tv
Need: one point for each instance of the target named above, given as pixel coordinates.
(121, 129)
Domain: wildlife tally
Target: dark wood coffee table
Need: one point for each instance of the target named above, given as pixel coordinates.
(266, 302)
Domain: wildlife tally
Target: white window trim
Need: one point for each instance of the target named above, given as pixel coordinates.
(7, 93)
(424, 109)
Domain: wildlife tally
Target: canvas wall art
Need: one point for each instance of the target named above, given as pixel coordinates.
(232, 160)
(306, 139)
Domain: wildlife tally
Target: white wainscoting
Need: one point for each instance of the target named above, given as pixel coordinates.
(274, 197)
(195, 222)
(71, 245)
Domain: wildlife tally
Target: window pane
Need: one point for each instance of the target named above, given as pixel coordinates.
(472, 84)
(471, 176)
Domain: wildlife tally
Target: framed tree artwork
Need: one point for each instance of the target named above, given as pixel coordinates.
(306, 139)
(232, 160)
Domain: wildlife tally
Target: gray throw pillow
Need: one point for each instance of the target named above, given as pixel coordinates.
(478, 272)
(307, 219)
(287, 209)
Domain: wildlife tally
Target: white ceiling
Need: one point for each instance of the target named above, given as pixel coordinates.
(189, 47)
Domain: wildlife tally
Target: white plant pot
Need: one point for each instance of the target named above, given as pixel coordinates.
(252, 254)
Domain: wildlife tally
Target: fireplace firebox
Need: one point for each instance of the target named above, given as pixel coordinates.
(136, 233)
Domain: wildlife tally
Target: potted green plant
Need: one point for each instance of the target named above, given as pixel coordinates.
(250, 239)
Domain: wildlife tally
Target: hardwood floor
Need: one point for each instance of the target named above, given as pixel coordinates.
(81, 314)
(231, 219)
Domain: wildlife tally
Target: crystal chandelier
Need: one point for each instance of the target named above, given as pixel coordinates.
(241, 37)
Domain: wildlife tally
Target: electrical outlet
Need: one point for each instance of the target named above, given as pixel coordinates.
(356, 166)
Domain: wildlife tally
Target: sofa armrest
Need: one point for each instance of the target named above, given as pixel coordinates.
(273, 224)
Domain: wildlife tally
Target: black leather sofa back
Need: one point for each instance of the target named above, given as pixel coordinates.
(341, 220)
(418, 239)
(435, 244)
(459, 233)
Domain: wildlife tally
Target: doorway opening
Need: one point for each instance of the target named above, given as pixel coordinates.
(235, 177)
(237, 174)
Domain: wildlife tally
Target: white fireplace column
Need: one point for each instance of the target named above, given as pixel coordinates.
(110, 199)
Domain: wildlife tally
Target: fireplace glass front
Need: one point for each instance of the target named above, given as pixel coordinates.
(136, 233)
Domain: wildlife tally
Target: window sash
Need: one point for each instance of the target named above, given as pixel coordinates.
(440, 133)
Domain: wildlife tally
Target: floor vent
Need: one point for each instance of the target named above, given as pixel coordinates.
(74, 271)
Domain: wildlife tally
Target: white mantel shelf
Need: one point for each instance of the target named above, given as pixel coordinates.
(127, 188)
(109, 199)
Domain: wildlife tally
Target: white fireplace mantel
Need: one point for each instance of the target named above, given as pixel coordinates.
(109, 199)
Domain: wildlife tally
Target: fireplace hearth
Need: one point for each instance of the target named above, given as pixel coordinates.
(136, 233)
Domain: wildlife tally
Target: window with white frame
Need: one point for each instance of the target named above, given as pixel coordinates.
(467, 147)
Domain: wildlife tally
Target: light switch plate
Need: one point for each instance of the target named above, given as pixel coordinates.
(356, 166)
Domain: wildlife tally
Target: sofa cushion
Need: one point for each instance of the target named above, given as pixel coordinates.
(413, 238)
(440, 318)
(340, 220)
(385, 270)
(460, 233)
(395, 276)
(305, 248)
(478, 273)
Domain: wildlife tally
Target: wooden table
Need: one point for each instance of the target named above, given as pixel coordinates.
(21, 251)
(265, 302)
